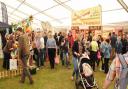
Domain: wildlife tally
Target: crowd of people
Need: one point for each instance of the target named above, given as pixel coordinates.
(41, 46)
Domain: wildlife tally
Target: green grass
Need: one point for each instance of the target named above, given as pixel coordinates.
(59, 78)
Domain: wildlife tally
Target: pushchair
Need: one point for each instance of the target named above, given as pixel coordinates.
(86, 78)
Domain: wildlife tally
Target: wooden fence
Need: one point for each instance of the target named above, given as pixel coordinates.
(10, 73)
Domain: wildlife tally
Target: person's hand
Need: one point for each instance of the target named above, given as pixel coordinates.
(11, 49)
(78, 54)
(75, 53)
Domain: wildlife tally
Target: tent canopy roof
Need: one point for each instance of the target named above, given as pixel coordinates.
(58, 12)
(4, 25)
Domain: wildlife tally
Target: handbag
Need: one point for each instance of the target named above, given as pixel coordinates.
(98, 55)
(57, 59)
(32, 70)
(13, 64)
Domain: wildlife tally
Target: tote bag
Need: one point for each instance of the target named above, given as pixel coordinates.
(13, 64)
(57, 59)
(98, 55)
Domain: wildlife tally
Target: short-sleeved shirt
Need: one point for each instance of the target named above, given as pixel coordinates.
(51, 43)
(94, 46)
(107, 50)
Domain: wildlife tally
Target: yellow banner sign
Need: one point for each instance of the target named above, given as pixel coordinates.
(89, 17)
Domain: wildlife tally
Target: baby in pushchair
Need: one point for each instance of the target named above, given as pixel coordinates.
(86, 78)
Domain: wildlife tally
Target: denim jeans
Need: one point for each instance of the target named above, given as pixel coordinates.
(64, 58)
(75, 63)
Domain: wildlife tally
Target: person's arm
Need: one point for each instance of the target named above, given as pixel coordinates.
(110, 76)
(104, 48)
(47, 48)
(108, 81)
(106, 84)
(43, 42)
(55, 45)
(97, 47)
(101, 46)
(110, 48)
(9, 45)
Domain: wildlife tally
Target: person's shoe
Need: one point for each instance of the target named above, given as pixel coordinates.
(72, 78)
(68, 67)
(31, 82)
(21, 81)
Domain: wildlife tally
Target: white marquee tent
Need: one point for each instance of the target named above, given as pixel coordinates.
(58, 12)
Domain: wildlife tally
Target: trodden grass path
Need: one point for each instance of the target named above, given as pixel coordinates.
(59, 78)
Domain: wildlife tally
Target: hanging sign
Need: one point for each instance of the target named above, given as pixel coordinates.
(89, 17)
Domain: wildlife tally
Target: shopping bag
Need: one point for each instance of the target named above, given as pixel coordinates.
(47, 59)
(98, 55)
(57, 59)
(13, 64)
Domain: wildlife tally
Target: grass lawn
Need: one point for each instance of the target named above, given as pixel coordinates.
(59, 78)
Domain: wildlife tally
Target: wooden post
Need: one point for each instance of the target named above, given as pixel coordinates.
(9, 73)
(6, 73)
(20, 70)
(15, 73)
(0, 75)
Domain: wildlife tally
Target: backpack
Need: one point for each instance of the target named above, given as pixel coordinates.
(122, 82)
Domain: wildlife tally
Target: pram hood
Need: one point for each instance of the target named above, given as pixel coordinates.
(83, 59)
(84, 56)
